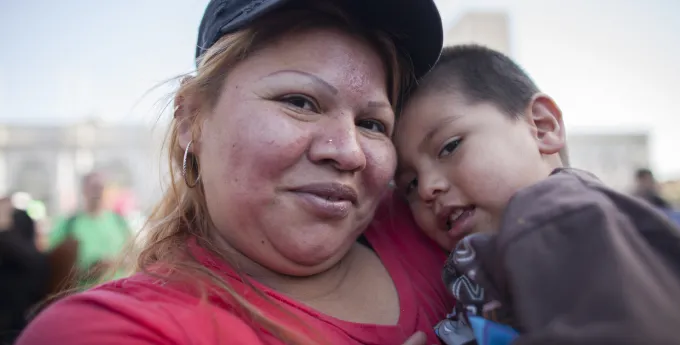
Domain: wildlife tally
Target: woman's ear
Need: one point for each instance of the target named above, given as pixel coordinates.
(546, 117)
(186, 108)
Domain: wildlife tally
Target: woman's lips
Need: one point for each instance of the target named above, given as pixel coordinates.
(323, 207)
(327, 200)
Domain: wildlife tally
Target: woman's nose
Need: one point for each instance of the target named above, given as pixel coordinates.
(339, 146)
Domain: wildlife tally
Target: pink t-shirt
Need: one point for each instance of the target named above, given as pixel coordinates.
(143, 310)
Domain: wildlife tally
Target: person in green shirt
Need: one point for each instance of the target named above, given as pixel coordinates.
(101, 234)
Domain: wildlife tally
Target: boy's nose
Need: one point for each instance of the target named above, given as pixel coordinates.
(431, 186)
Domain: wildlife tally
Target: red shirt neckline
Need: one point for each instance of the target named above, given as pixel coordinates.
(407, 308)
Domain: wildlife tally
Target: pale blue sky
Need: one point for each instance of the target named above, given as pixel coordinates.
(611, 64)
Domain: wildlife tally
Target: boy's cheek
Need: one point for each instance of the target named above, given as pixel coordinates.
(427, 223)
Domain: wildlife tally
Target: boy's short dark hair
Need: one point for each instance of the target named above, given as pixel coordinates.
(481, 74)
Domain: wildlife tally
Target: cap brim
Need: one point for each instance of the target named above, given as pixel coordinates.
(415, 26)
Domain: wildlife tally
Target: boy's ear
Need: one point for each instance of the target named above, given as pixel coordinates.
(186, 108)
(546, 118)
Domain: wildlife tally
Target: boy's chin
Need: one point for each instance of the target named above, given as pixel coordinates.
(445, 242)
(449, 244)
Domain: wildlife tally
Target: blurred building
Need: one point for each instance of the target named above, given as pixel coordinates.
(490, 29)
(48, 162)
(612, 157)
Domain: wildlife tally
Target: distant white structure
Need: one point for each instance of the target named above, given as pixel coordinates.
(490, 29)
(612, 157)
(48, 161)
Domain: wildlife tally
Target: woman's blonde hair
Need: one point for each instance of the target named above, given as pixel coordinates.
(182, 214)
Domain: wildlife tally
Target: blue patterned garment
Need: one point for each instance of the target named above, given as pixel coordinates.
(492, 333)
(479, 331)
(476, 299)
(454, 332)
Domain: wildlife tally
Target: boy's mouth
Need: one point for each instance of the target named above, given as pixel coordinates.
(457, 222)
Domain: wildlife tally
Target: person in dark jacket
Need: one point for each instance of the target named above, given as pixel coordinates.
(647, 188)
(541, 253)
(23, 270)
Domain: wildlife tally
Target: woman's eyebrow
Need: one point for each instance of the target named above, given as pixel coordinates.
(312, 77)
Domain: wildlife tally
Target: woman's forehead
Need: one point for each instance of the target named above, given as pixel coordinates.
(336, 57)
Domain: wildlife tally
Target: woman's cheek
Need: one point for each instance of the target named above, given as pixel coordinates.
(275, 139)
(381, 162)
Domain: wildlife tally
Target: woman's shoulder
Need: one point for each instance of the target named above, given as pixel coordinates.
(137, 311)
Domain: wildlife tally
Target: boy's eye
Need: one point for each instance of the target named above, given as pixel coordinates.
(300, 101)
(411, 186)
(449, 147)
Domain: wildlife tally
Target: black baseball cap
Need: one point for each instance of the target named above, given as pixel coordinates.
(415, 25)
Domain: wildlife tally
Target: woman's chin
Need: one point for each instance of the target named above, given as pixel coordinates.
(303, 258)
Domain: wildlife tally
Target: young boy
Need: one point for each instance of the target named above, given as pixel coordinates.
(560, 257)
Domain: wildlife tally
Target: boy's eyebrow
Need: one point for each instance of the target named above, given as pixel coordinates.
(437, 126)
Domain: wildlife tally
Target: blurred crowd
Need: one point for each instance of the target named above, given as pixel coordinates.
(80, 249)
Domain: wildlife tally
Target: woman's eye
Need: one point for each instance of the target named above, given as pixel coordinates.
(450, 147)
(301, 102)
(373, 125)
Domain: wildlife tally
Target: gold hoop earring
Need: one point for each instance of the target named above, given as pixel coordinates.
(184, 167)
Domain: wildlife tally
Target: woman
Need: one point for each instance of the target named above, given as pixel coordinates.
(283, 142)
